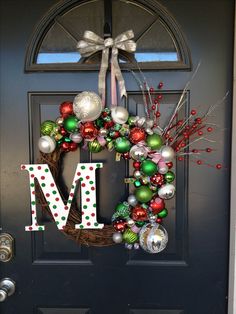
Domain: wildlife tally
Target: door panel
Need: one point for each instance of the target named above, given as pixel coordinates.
(53, 274)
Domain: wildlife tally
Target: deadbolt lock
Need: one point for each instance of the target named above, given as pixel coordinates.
(6, 247)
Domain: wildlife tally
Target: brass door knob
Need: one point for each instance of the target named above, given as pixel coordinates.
(6, 247)
(7, 288)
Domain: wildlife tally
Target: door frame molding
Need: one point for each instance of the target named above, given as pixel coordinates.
(232, 254)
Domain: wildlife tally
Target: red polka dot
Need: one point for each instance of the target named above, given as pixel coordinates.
(32, 175)
(71, 194)
(36, 224)
(66, 207)
(78, 173)
(33, 192)
(52, 184)
(92, 214)
(47, 194)
(42, 178)
(91, 168)
(87, 177)
(55, 215)
(39, 167)
(57, 199)
(87, 199)
(33, 212)
(82, 213)
(88, 223)
(23, 167)
(92, 188)
(83, 185)
(30, 228)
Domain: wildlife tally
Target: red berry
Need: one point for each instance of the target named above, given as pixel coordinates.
(151, 89)
(208, 150)
(193, 112)
(199, 162)
(153, 107)
(158, 114)
(156, 101)
(209, 129)
(136, 164)
(160, 85)
(218, 166)
(200, 132)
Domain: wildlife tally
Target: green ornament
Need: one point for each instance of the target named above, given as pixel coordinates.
(117, 127)
(67, 140)
(107, 119)
(132, 120)
(99, 122)
(140, 223)
(137, 183)
(154, 141)
(163, 213)
(149, 167)
(110, 146)
(130, 237)
(71, 124)
(95, 146)
(47, 127)
(123, 210)
(122, 145)
(143, 194)
(121, 206)
(169, 176)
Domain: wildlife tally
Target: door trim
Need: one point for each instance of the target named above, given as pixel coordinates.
(232, 257)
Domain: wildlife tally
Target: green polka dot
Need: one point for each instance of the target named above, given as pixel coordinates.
(54, 206)
(57, 222)
(54, 192)
(87, 217)
(32, 185)
(83, 167)
(81, 179)
(87, 192)
(69, 201)
(95, 224)
(48, 203)
(33, 203)
(85, 207)
(31, 169)
(94, 205)
(90, 182)
(46, 170)
(81, 226)
(73, 187)
(43, 185)
(40, 228)
(98, 165)
(63, 218)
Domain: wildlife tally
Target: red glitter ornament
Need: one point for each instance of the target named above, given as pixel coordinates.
(126, 155)
(157, 179)
(120, 225)
(63, 131)
(66, 108)
(108, 125)
(137, 165)
(88, 130)
(73, 146)
(157, 205)
(139, 214)
(169, 164)
(65, 146)
(137, 135)
(159, 220)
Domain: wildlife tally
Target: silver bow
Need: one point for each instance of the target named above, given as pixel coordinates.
(92, 43)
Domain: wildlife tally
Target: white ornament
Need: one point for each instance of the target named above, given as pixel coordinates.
(119, 114)
(46, 144)
(167, 191)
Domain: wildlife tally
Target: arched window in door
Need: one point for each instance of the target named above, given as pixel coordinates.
(160, 41)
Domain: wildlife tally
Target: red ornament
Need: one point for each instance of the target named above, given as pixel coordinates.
(169, 164)
(157, 205)
(73, 146)
(157, 179)
(66, 108)
(137, 135)
(88, 130)
(109, 124)
(139, 214)
(126, 155)
(159, 220)
(137, 165)
(120, 225)
(63, 131)
(65, 146)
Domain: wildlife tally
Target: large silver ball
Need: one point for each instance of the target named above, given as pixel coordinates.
(76, 137)
(117, 237)
(132, 200)
(87, 106)
(119, 114)
(167, 153)
(167, 191)
(46, 144)
(138, 152)
(153, 238)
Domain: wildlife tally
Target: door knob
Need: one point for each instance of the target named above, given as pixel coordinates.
(7, 288)
(6, 247)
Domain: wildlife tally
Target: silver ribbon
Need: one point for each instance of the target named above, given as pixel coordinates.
(92, 43)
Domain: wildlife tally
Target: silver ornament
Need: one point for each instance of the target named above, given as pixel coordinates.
(130, 222)
(46, 144)
(153, 238)
(128, 246)
(163, 169)
(76, 137)
(132, 200)
(152, 218)
(137, 174)
(149, 131)
(167, 191)
(119, 114)
(60, 121)
(158, 130)
(167, 153)
(103, 132)
(138, 152)
(136, 246)
(117, 237)
(87, 106)
(140, 122)
(149, 123)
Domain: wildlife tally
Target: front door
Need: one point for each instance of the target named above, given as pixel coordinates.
(55, 275)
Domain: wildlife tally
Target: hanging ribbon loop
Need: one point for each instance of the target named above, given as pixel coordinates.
(92, 43)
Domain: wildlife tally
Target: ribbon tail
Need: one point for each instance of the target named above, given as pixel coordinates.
(113, 87)
(118, 74)
(102, 75)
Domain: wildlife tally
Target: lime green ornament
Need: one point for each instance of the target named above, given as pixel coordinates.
(163, 213)
(47, 127)
(95, 146)
(71, 124)
(122, 145)
(143, 194)
(149, 167)
(154, 141)
(169, 176)
(130, 237)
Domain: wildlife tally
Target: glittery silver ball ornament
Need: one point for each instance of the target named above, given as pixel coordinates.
(103, 132)
(153, 238)
(117, 237)
(132, 200)
(167, 191)
(76, 137)
(138, 152)
(46, 144)
(119, 114)
(87, 106)
(167, 153)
